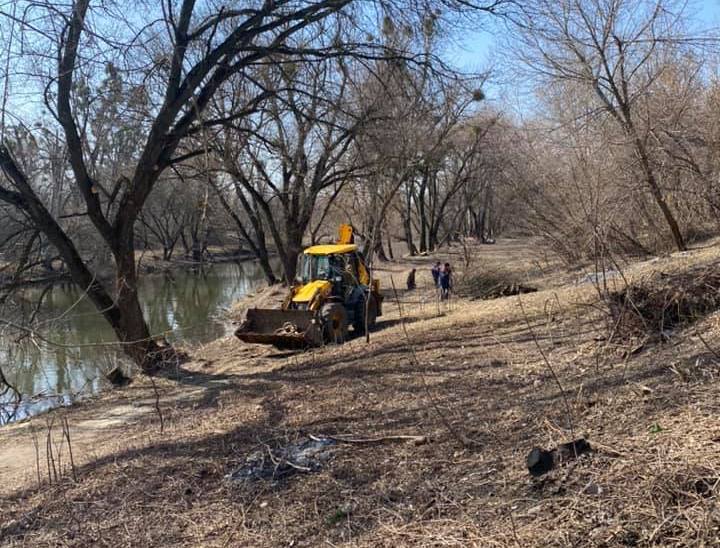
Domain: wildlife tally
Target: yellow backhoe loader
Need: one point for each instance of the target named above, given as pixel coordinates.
(333, 290)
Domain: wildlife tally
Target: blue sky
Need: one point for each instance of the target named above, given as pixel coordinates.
(475, 50)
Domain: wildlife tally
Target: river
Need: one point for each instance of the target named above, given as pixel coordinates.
(187, 306)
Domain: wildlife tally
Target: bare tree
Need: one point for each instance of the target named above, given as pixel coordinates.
(453, 167)
(202, 49)
(293, 151)
(616, 50)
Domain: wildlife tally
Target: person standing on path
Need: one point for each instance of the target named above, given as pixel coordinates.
(445, 282)
(435, 271)
(411, 280)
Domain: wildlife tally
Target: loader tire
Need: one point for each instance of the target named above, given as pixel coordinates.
(335, 323)
(372, 309)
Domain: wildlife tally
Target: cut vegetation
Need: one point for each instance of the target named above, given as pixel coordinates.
(491, 284)
(512, 340)
(656, 305)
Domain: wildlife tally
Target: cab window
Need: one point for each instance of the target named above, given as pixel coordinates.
(312, 267)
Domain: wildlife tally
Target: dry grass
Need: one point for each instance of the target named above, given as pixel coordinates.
(651, 416)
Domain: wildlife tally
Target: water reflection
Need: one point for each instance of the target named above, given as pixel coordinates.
(185, 306)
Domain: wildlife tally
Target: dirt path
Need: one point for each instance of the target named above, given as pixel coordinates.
(91, 438)
(99, 426)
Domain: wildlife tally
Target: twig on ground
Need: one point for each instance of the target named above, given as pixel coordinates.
(278, 461)
(157, 404)
(707, 345)
(380, 439)
(514, 528)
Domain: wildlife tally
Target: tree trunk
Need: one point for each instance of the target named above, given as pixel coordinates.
(658, 196)
(433, 236)
(293, 248)
(185, 244)
(481, 226)
(126, 316)
(197, 255)
(379, 249)
(407, 228)
(422, 212)
(123, 312)
(390, 248)
(626, 120)
(423, 231)
(267, 270)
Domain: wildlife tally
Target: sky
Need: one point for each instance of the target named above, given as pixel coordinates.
(476, 50)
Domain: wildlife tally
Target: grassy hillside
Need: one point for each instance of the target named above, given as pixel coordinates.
(427, 429)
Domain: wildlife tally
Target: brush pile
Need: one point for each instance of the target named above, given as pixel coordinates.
(491, 285)
(656, 305)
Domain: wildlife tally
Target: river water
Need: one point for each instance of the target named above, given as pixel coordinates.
(187, 306)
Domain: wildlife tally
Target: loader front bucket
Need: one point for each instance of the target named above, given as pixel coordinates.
(283, 329)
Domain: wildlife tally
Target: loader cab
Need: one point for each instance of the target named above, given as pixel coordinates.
(339, 272)
(334, 263)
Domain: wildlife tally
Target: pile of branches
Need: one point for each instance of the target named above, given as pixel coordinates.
(491, 285)
(654, 306)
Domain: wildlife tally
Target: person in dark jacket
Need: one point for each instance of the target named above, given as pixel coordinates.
(435, 271)
(445, 281)
(411, 280)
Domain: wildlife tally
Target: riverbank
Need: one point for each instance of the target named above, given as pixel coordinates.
(471, 385)
(152, 261)
(149, 262)
(72, 348)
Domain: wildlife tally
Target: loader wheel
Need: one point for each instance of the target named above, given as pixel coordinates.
(335, 323)
(359, 324)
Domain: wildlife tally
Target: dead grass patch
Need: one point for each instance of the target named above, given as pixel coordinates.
(650, 482)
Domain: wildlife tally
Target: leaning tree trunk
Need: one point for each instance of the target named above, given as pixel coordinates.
(658, 196)
(126, 315)
(650, 179)
(123, 312)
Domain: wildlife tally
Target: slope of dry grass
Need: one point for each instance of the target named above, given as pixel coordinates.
(470, 377)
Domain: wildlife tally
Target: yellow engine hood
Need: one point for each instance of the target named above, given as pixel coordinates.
(307, 292)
